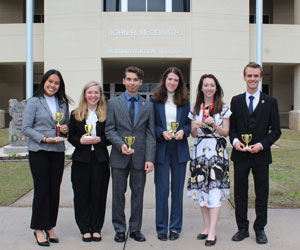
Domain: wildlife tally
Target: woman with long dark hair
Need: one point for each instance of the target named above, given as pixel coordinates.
(209, 181)
(171, 106)
(90, 170)
(46, 152)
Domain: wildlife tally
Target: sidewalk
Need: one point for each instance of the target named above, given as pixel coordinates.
(282, 230)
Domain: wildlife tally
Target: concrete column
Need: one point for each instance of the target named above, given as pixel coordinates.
(297, 11)
(294, 115)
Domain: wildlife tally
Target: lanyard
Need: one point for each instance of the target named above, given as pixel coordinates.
(206, 112)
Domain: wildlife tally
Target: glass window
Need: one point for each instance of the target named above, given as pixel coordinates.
(180, 5)
(119, 87)
(146, 5)
(136, 5)
(143, 87)
(156, 5)
(106, 87)
(111, 5)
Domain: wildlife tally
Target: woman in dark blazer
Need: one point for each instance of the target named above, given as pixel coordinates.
(171, 104)
(46, 153)
(90, 171)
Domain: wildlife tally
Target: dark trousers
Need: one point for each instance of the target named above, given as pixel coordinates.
(261, 187)
(162, 189)
(47, 171)
(137, 180)
(90, 183)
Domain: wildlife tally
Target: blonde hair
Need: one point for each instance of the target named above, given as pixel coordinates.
(81, 112)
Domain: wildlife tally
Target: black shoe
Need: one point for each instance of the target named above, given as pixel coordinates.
(87, 239)
(52, 240)
(162, 237)
(240, 235)
(96, 238)
(138, 236)
(120, 237)
(42, 244)
(173, 235)
(210, 243)
(261, 237)
(202, 236)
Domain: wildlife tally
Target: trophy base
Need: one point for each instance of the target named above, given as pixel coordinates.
(247, 148)
(131, 150)
(88, 137)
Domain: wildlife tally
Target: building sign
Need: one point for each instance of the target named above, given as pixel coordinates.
(146, 51)
(146, 32)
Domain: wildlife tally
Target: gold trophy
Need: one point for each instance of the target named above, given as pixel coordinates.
(174, 126)
(129, 141)
(58, 117)
(206, 115)
(247, 138)
(89, 129)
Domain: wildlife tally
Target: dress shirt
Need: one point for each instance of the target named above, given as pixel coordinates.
(170, 110)
(256, 96)
(92, 119)
(136, 103)
(51, 104)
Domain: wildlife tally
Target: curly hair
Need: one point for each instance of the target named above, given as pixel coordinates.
(181, 96)
(82, 111)
(60, 94)
(218, 102)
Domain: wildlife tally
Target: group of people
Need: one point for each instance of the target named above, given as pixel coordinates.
(146, 136)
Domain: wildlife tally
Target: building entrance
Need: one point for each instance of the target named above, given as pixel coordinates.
(113, 70)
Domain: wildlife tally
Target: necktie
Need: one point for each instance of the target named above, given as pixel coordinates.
(251, 104)
(132, 110)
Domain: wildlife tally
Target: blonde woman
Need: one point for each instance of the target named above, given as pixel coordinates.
(90, 171)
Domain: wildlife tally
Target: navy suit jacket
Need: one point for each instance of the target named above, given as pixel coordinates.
(161, 125)
(263, 124)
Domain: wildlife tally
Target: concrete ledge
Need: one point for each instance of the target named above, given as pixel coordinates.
(7, 150)
(14, 149)
(294, 119)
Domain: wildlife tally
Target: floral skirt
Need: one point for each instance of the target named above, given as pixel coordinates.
(209, 182)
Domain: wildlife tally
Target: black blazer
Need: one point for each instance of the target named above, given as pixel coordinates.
(82, 153)
(263, 124)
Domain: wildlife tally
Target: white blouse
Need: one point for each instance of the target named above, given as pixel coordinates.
(92, 119)
(51, 104)
(171, 111)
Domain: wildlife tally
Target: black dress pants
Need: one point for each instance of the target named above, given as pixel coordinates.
(261, 187)
(47, 170)
(90, 184)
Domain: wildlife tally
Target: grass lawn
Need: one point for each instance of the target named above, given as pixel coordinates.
(4, 138)
(284, 173)
(15, 180)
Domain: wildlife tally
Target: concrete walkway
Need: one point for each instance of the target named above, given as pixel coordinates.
(282, 230)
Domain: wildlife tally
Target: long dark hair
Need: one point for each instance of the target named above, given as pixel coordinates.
(181, 96)
(218, 102)
(60, 94)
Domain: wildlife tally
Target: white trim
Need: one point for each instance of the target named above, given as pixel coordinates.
(29, 48)
(168, 5)
(259, 34)
(124, 5)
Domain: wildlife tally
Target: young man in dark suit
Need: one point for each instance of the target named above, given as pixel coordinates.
(256, 114)
(130, 115)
